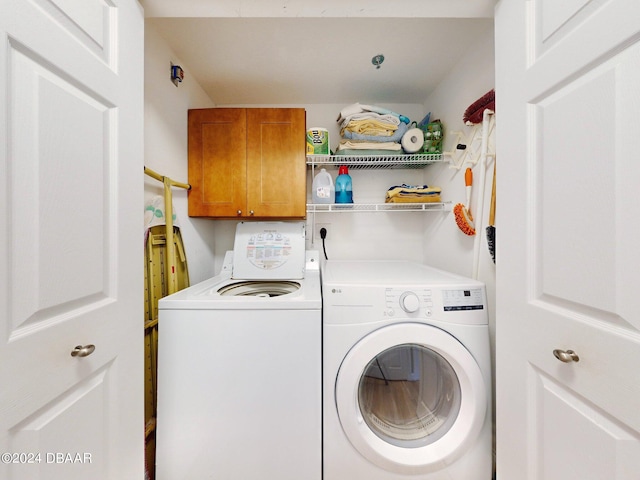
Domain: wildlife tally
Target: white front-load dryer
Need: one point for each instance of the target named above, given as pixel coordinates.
(407, 374)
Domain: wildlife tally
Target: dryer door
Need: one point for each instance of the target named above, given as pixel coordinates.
(410, 398)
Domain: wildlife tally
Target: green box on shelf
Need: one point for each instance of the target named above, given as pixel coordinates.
(433, 137)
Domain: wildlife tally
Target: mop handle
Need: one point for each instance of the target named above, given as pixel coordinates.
(468, 180)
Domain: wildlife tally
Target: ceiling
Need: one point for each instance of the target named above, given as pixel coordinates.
(263, 52)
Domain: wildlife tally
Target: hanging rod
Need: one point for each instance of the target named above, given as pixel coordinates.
(162, 178)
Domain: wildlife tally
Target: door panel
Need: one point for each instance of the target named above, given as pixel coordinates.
(45, 425)
(579, 176)
(606, 449)
(70, 190)
(555, 21)
(566, 85)
(60, 191)
(88, 22)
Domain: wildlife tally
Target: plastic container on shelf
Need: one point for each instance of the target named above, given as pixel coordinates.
(344, 186)
(323, 190)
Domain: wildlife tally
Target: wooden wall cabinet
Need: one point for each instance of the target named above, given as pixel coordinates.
(247, 163)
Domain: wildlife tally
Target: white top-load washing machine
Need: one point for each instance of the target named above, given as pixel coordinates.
(239, 368)
(407, 373)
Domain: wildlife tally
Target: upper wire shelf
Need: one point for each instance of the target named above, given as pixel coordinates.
(416, 160)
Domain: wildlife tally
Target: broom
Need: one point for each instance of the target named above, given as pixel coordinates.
(462, 213)
(473, 114)
(491, 229)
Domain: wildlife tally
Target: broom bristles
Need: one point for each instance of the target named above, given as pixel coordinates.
(491, 241)
(473, 114)
(464, 219)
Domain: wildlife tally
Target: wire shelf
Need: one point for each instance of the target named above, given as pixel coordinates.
(378, 207)
(356, 162)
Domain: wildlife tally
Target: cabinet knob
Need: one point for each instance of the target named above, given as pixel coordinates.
(250, 212)
(239, 212)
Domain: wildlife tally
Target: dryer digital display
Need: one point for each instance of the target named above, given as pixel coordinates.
(465, 299)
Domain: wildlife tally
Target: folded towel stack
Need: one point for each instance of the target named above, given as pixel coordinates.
(413, 194)
(367, 128)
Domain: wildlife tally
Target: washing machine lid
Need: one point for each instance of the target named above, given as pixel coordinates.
(269, 251)
(442, 421)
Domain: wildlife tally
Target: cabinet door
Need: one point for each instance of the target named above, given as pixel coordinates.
(276, 164)
(217, 162)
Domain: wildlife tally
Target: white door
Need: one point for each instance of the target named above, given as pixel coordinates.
(568, 107)
(71, 241)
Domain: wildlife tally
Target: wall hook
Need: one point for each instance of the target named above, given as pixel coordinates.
(473, 143)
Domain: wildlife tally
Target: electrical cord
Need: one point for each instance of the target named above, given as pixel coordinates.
(323, 235)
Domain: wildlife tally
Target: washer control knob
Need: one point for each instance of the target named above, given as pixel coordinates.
(409, 302)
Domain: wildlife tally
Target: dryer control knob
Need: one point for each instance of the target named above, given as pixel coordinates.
(409, 302)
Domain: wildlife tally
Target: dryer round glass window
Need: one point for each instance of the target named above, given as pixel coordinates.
(259, 288)
(451, 402)
(409, 395)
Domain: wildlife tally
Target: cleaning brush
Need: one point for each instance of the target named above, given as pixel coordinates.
(462, 213)
(491, 229)
(473, 114)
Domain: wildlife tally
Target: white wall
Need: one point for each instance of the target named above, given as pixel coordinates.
(379, 235)
(165, 117)
(445, 246)
(374, 235)
(424, 237)
(431, 238)
(365, 235)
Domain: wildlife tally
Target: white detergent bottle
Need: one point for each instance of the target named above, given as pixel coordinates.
(323, 190)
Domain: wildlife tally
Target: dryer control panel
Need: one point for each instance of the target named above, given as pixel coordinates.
(418, 302)
(425, 302)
